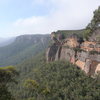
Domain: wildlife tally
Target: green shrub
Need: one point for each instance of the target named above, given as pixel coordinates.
(94, 52)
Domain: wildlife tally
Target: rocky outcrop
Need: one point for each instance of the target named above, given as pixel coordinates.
(84, 54)
(81, 47)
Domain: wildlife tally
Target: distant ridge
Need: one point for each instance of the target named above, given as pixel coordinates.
(6, 41)
(22, 48)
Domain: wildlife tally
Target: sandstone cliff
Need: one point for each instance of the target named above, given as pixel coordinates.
(80, 47)
(85, 54)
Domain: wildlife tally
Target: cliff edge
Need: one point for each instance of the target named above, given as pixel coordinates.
(81, 47)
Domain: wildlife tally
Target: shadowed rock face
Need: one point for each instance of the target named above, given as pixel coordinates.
(51, 53)
(85, 54)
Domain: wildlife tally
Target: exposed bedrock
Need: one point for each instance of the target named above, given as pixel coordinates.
(84, 54)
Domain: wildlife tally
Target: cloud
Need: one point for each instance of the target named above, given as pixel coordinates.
(64, 14)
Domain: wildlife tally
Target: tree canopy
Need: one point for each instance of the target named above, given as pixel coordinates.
(7, 75)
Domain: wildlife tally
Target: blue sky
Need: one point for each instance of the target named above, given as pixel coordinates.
(44, 16)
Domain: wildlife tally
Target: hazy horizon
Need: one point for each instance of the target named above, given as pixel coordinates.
(44, 16)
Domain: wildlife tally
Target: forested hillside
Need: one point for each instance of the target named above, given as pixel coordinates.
(53, 81)
(22, 48)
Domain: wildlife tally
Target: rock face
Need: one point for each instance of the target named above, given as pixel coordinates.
(84, 54)
(51, 53)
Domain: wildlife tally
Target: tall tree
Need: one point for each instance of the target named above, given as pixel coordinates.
(7, 75)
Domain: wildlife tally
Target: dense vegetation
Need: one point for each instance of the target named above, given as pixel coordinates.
(26, 71)
(47, 81)
(61, 81)
(93, 25)
(66, 33)
(53, 81)
(7, 76)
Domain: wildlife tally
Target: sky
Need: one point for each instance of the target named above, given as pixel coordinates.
(44, 16)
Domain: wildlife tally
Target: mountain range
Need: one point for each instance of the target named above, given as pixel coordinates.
(22, 48)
